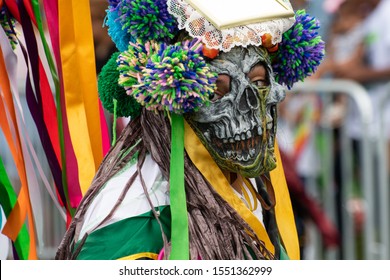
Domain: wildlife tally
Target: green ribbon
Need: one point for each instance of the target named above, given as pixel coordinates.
(114, 122)
(179, 236)
(8, 199)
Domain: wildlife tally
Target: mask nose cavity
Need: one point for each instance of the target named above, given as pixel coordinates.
(248, 100)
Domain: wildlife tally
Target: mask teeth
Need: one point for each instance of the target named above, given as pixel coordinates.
(242, 150)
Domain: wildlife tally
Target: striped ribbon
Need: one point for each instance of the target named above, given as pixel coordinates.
(72, 128)
(35, 94)
(70, 174)
(80, 86)
(8, 199)
(8, 123)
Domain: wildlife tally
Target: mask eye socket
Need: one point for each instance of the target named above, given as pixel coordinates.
(258, 76)
(260, 84)
(223, 87)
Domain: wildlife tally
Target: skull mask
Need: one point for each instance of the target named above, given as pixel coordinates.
(239, 126)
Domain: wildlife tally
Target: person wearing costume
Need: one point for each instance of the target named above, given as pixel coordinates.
(196, 173)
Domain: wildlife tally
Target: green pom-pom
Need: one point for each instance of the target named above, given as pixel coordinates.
(109, 89)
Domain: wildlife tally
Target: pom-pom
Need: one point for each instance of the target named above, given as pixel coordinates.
(173, 78)
(119, 35)
(300, 52)
(109, 89)
(113, 3)
(148, 20)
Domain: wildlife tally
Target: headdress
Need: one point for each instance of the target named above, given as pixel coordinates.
(147, 31)
(165, 46)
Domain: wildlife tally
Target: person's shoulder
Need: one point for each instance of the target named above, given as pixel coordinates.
(138, 237)
(126, 219)
(126, 195)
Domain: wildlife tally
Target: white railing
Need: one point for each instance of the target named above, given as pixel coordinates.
(374, 239)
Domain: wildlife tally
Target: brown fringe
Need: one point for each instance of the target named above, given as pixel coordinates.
(216, 230)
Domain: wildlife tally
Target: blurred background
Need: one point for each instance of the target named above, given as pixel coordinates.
(333, 132)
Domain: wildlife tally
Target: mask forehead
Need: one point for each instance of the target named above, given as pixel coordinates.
(240, 58)
(239, 128)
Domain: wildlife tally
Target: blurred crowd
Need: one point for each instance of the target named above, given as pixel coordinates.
(358, 50)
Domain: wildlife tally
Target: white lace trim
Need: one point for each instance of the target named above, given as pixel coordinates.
(199, 27)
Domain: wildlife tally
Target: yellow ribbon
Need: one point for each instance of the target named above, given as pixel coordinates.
(148, 255)
(80, 86)
(213, 174)
(283, 209)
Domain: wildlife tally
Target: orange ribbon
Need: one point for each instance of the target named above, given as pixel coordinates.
(22, 207)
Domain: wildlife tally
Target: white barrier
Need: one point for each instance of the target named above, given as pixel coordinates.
(384, 180)
(375, 240)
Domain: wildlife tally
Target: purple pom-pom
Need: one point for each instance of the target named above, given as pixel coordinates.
(300, 52)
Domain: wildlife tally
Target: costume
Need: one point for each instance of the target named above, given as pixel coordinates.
(191, 176)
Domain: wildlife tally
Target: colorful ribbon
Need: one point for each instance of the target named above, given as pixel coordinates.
(22, 207)
(179, 235)
(8, 199)
(35, 99)
(80, 86)
(72, 128)
(283, 209)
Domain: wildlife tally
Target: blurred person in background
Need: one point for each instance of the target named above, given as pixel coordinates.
(345, 36)
(358, 49)
(345, 46)
(298, 117)
(372, 68)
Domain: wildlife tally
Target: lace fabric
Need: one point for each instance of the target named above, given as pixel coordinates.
(199, 27)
